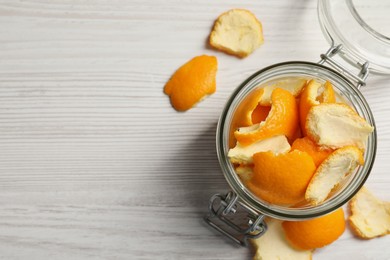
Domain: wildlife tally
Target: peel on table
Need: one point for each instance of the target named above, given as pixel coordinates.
(237, 32)
(192, 82)
(370, 217)
(317, 232)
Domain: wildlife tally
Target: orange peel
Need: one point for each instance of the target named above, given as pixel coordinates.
(314, 94)
(283, 178)
(337, 125)
(292, 85)
(243, 115)
(315, 233)
(260, 114)
(244, 154)
(192, 82)
(370, 217)
(281, 120)
(328, 95)
(305, 144)
(237, 32)
(331, 172)
(274, 245)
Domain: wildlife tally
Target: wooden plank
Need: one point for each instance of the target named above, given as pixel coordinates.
(94, 162)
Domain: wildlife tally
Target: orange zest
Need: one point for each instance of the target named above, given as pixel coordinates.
(192, 82)
(315, 233)
(283, 178)
(305, 144)
(281, 120)
(310, 97)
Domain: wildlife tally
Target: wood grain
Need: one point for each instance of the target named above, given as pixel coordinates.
(94, 162)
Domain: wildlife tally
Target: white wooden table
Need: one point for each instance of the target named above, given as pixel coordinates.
(95, 163)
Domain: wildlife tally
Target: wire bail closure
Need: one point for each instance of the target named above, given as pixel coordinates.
(223, 208)
(359, 80)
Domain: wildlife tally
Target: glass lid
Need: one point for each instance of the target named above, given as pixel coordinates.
(363, 29)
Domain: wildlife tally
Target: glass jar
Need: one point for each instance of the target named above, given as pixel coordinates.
(347, 86)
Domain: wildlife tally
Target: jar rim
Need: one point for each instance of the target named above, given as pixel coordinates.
(313, 69)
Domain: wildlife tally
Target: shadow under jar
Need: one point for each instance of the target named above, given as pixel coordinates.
(224, 208)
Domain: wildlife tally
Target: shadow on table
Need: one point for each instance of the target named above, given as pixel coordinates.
(196, 172)
(195, 177)
(202, 176)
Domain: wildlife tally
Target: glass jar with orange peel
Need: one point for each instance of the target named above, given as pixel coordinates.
(297, 140)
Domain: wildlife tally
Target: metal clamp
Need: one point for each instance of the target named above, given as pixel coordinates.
(223, 208)
(360, 79)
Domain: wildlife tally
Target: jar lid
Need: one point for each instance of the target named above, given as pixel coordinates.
(362, 28)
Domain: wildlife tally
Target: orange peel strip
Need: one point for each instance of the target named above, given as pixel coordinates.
(281, 120)
(314, 94)
(192, 82)
(283, 178)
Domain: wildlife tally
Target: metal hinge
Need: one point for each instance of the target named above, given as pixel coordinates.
(359, 80)
(223, 209)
